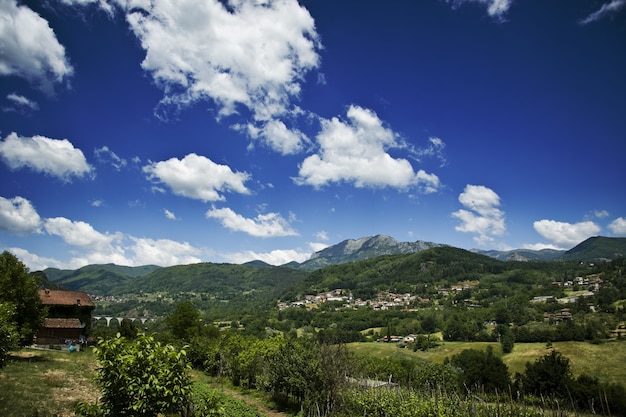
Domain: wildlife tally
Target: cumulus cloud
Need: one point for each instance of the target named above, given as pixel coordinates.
(197, 177)
(618, 226)
(20, 103)
(17, 215)
(275, 257)
(355, 151)
(163, 252)
(38, 263)
(566, 235)
(495, 8)
(30, 48)
(276, 135)
(169, 214)
(78, 233)
(263, 225)
(250, 54)
(322, 235)
(481, 215)
(607, 9)
(107, 156)
(54, 157)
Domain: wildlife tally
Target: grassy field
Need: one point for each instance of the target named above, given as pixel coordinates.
(604, 361)
(46, 383)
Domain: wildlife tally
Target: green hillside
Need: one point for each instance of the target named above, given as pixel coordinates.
(597, 248)
(97, 279)
(217, 281)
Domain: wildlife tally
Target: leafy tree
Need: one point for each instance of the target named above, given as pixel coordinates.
(549, 375)
(139, 378)
(22, 291)
(184, 323)
(482, 369)
(8, 331)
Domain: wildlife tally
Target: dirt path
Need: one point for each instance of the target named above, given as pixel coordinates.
(267, 412)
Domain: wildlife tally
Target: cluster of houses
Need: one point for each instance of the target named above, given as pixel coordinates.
(383, 301)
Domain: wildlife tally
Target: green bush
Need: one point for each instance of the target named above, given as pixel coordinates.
(140, 378)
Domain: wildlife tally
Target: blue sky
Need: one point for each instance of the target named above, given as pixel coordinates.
(178, 131)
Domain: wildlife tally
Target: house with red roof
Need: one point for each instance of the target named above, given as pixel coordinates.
(68, 318)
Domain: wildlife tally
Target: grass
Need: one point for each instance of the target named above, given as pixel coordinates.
(604, 361)
(46, 383)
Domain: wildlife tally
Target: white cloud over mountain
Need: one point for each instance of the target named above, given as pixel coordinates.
(566, 235)
(481, 215)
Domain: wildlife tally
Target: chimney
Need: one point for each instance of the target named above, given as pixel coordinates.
(78, 302)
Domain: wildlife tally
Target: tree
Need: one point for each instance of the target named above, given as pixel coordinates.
(549, 375)
(8, 331)
(22, 291)
(482, 370)
(184, 322)
(139, 378)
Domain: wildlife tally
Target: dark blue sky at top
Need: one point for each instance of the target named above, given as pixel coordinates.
(528, 109)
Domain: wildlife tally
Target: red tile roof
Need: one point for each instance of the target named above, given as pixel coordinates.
(67, 298)
(62, 324)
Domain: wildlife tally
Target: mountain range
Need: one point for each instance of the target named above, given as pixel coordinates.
(225, 281)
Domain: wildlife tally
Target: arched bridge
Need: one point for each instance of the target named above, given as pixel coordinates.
(120, 319)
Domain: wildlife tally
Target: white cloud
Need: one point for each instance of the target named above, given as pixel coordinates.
(54, 157)
(322, 235)
(317, 246)
(264, 225)
(540, 246)
(566, 235)
(278, 136)
(435, 149)
(482, 217)
(39, 263)
(495, 8)
(356, 151)
(78, 233)
(21, 103)
(169, 214)
(618, 226)
(30, 48)
(17, 215)
(107, 156)
(163, 252)
(97, 203)
(600, 214)
(236, 53)
(197, 177)
(275, 257)
(607, 9)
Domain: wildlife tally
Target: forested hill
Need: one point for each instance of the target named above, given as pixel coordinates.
(598, 248)
(442, 266)
(98, 279)
(218, 281)
(256, 281)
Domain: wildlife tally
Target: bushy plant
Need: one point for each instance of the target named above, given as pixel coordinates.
(139, 378)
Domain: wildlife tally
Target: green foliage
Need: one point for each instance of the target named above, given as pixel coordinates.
(8, 331)
(384, 402)
(139, 378)
(184, 323)
(482, 370)
(548, 376)
(22, 291)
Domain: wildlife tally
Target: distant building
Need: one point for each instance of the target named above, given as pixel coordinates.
(68, 318)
